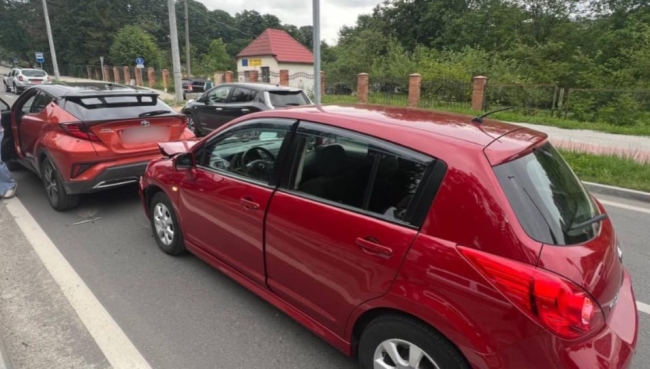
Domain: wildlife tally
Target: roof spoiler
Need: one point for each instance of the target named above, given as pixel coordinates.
(80, 98)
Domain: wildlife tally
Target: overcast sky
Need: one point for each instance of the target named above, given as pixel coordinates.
(334, 13)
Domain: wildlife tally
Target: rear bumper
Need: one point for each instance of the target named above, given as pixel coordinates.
(110, 177)
(613, 347)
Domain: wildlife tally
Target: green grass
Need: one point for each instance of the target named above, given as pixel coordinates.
(541, 118)
(610, 170)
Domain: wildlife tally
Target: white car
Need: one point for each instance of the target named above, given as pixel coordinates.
(20, 79)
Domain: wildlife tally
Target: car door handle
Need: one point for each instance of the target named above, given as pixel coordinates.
(218, 108)
(249, 204)
(245, 110)
(372, 246)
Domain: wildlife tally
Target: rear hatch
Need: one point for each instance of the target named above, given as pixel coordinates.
(555, 209)
(34, 76)
(126, 124)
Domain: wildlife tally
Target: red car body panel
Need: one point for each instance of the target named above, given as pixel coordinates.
(316, 272)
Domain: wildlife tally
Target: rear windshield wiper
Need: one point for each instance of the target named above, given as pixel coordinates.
(596, 219)
(154, 112)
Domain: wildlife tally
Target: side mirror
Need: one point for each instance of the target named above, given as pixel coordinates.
(184, 161)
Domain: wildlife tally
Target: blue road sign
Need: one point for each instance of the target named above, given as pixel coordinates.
(139, 61)
(40, 58)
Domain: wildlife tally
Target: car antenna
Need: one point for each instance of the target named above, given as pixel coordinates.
(479, 119)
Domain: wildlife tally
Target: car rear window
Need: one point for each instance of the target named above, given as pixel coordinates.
(548, 198)
(288, 98)
(95, 108)
(33, 73)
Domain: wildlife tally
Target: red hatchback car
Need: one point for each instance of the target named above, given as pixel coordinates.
(408, 238)
(82, 139)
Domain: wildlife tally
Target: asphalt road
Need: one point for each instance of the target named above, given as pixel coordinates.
(181, 313)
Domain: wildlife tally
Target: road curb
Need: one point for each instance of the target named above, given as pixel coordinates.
(5, 362)
(617, 191)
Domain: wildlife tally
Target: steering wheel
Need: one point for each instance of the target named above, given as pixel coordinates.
(258, 168)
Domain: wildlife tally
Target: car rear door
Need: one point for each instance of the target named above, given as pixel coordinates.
(7, 149)
(124, 124)
(240, 103)
(336, 234)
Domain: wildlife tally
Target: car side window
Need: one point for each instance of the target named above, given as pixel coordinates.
(248, 152)
(4, 106)
(218, 95)
(350, 169)
(242, 95)
(41, 101)
(27, 106)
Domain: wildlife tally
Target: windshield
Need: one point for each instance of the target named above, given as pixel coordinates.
(33, 73)
(287, 98)
(548, 198)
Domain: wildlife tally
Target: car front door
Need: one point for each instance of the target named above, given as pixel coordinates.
(240, 103)
(341, 221)
(210, 113)
(224, 199)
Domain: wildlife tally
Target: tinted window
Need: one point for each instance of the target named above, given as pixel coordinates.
(218, 95)
(548, 198)
(287, 98)
(248, 152)
(114, 107)
(242, 95)
(352, 170)
(40, 102)
(33, 73)
(4, 106)
(27, 107)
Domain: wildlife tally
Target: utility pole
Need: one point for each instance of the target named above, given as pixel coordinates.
(176, 56)
(316, 47)
(187, 41)
(51, 40)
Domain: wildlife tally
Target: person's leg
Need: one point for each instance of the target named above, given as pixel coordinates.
(7, 182)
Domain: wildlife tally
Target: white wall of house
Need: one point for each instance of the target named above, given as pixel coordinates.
(300, 75)
(266, 61)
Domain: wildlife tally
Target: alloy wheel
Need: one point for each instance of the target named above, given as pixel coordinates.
(164, 224)
(51, 185)
(190, 124)
(400, 354)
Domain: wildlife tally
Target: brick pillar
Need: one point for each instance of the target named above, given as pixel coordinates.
(107, 73)
(322, 83)
(284, 77)
(98, 75)
(229, 76)
(116, 74)
(138, 76)
(90, 72)
(151, 76)
(362, 87)
(165, 78)
(127, 75)
(478, 92)
(415, 82)
(254, 76)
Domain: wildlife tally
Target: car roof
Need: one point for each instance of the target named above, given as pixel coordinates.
(397, 124)
(89, 88)
(259, 86)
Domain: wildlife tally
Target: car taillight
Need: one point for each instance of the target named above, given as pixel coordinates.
(20, 78)
(189, 87)
(78, 169)
(79, 130)
(555, 303)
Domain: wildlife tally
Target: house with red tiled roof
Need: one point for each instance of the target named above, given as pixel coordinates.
(275, 50)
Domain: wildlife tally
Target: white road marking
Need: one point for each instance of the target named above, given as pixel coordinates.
(625, 206)
(644, 308)
(116, 346)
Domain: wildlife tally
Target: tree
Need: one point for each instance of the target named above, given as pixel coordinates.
(132, 42)
(216, 59)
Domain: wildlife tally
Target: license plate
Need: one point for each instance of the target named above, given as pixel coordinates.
(35, 82)
(142, 135)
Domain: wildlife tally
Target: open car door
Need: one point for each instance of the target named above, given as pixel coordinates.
(7, 148)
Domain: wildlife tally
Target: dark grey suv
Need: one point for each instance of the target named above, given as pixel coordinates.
(228, 101)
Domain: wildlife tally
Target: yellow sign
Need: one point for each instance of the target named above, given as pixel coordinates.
(255, 62)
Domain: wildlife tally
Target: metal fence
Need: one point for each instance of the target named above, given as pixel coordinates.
(445, 93)
(390, 91)
(618, 107)
(527, 99)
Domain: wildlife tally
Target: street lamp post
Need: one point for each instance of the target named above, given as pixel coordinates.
(316, 47)
(55, 65)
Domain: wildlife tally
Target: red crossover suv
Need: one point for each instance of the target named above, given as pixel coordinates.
(86, 139)
(408, 238)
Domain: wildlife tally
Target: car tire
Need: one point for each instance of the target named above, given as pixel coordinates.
(164, 225)
(54, 189)
(7, 89)
(406, 334)
(191, 124)
(13, 166)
